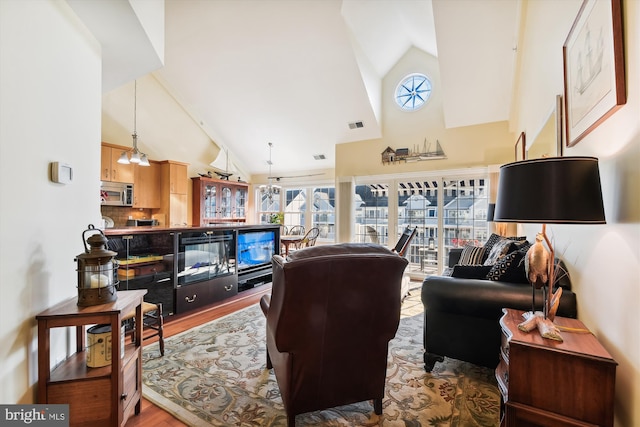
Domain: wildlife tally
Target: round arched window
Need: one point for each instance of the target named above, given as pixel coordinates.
(413, 91)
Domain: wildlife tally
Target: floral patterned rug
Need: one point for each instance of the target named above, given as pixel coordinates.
(215, 375)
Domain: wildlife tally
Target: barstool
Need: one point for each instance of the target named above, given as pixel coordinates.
(151, 319)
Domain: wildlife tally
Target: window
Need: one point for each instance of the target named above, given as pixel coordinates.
(418, 207)
(323, 215)
(448, 212)
(413, 91)
(295, 200)
(465, 213)
(372, 213)
(269, 205)
(292, 203)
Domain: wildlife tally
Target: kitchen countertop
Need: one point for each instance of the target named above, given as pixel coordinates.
(159, 229)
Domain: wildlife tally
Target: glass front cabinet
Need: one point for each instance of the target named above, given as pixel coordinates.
(218, 201)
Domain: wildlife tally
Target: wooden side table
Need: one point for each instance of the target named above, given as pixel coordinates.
(549, 383)
(103, 396)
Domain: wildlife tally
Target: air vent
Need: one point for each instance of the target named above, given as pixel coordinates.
(319, 156)
(355, 125)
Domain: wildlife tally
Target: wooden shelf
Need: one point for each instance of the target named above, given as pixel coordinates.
(75, 368)
(102, 396)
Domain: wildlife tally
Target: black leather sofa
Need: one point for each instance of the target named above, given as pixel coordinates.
(461, 319)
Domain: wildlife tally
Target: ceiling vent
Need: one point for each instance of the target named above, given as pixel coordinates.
(319, 156)
(355, 125)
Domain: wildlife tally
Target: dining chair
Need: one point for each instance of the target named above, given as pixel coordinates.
(296, 230)
(309, 239)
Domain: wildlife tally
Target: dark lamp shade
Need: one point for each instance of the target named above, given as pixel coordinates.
(554, 190)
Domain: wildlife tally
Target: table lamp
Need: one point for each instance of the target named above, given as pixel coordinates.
(552, 190)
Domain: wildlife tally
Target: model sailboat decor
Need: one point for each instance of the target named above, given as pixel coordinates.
(222, 166)
(428, 151)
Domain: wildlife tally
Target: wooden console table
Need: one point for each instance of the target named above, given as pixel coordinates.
(549, 383)
(104, 396)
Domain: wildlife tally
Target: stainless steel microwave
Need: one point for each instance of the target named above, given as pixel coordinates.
(116, 194)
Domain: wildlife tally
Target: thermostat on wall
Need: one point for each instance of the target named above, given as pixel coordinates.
(61, 173)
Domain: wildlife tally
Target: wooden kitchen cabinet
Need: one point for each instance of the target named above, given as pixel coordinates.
(103, 396)
(173, 194)
(546, 383)
(218, 200)
(110, 169)
(146, 188)
(178, 182)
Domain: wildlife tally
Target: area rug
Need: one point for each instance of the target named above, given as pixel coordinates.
(215, 375)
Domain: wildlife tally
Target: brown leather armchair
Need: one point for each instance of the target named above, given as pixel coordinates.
(332, 311)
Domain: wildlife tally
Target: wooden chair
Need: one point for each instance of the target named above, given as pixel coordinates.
(283, 232)
(309, 239)
(151, 319)
(296, 230)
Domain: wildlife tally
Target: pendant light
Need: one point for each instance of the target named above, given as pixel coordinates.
(137, 157)
(270, 190)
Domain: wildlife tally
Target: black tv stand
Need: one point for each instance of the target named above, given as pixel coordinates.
(254, 278)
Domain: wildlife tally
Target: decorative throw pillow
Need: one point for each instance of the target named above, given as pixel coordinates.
(495, 238)
(500, 249)
(471, 271)
(471, 255)
(510, 268)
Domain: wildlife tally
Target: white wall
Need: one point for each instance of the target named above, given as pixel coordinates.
(604, 261)
(50, 81)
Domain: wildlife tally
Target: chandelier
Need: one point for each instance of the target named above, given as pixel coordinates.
(137, 157)
(270, 190)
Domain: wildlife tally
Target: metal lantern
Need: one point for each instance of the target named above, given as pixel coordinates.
(97, 270)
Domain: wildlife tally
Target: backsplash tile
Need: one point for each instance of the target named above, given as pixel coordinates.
(120, 214)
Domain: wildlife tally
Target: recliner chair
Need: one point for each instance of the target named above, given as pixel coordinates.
(332, 311)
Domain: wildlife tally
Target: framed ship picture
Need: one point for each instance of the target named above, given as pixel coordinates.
(593, 58)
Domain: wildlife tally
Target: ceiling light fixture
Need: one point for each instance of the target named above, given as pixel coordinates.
(270, 190)
(137, 157)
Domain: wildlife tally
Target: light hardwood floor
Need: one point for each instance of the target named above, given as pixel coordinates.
(152, 415)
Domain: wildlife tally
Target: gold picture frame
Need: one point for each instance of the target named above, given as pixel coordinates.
(593, 59)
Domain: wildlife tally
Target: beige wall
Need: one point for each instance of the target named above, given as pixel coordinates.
(465, 147)
(469, 146)
(604, 261)
(50, 81)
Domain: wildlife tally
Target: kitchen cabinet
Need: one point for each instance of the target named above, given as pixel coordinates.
(103, 396)
(110, 169)
(173, 194)
(218, 200)
(146, 188)
(177, 177)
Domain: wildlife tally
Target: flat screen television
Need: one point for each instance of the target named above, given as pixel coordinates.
(255, 248)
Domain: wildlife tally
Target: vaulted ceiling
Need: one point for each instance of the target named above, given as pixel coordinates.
(296, 72)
